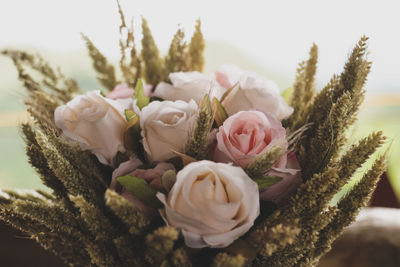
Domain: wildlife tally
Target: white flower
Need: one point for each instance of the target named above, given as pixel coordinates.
(188, 85)
(252, 92)
(212, 203)
(95, 122)
(166, 127)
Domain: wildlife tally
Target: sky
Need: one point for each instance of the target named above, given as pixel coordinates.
(274, 34)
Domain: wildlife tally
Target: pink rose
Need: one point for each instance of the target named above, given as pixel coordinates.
(121, 91)
(289, 169)
(227, 75)
(124, 95)
(248, 134)
(151, 176)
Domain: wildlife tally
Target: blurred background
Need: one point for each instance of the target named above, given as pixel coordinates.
(268, 37)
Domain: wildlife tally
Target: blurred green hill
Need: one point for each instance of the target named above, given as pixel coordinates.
(381, 112)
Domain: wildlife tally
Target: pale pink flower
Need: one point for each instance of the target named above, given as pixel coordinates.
(289, 169)
(151, 176)
(248, 134)
(124, 95)
(227, 75)
(121, 91)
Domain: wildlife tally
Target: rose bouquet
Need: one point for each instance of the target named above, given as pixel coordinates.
(189, 169)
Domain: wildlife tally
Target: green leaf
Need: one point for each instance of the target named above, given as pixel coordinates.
(130, 114)
(267, 181)
(220, 114)
(140, 189)
(140, 96)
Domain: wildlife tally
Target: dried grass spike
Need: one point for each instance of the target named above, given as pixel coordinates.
(196, 49)
(105, 71)
(198, 141)
(177, 58)
(153, 64)
(159, 244)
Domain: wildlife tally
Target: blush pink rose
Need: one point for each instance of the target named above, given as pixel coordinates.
(151, 176)
(248, 134)
(124, 95)
(289, 169)
(122, 91)
(227, 75)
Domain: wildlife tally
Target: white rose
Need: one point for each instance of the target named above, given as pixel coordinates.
(212, 203)
(166, 127)
(252, 92)
(188, 85)
(95, 122)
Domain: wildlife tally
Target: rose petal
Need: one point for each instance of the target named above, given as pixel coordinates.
(291, 175)
(188, 86)
(252, 92)
(248, 134)
(121, 91)
(211, 199)
(166, 127)
(95, 122)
